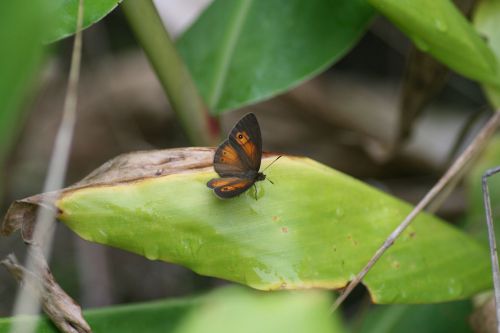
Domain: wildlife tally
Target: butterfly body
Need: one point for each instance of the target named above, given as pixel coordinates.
(237, 159)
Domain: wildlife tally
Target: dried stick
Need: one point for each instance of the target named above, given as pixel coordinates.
(493, 244)
(64, 312)
(476, 146)
(44, 226)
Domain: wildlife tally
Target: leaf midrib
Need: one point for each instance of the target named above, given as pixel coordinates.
(228, 47)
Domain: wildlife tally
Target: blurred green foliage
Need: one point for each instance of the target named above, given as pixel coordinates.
(428, 318)
(23, 26)
(230, 310)
(444, 33)
(487, 21)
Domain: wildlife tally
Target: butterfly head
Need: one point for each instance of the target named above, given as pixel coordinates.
(260, 176)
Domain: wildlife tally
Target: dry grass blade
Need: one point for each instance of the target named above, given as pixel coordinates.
(493, 244)
(43, 232)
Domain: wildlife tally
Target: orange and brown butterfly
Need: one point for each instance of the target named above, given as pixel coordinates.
(237, 160)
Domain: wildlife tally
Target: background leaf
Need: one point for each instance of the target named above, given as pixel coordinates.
(236, 310)
(241, 52)
(445, 33)
(487, 22)
(314, 228)
(227, 310)
(23, 26)
(65, 14)
(429, 318)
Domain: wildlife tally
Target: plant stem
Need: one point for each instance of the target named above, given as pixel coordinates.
(172, 72)
(475, 147)
(493, 244)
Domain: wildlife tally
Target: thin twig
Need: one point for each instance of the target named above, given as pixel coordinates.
(475, 120)
(467, 155)
(493, 244)
(44, 226)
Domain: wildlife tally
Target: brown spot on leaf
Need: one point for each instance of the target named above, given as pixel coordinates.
(276, 218)
(412, 234)
(354, 242)
(284, 230)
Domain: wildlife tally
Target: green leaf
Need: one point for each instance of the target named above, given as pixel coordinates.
(315, 227)
(233, 310)
(66, 13)
(428, 318)
(439, 28)
(159, 316)
(487, 21)
(22, 27)
(225, 310)
(240, 52)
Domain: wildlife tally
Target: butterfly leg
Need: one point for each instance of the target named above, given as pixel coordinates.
(255, 189)
(270, 181)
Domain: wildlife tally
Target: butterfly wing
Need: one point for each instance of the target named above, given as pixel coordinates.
(246, 139)
(227, 161)
(228, 187)
(237, 160)
(242, 152)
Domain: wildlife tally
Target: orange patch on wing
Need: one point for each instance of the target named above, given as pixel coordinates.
(219, 182)
(235, 186)
(242, 137)
(247, 145)
(229, 155)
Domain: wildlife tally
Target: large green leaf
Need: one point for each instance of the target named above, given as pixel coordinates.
(428, 318)
(439, 28)
(65, 14)
(241, 52)
(22, 28)
(315, 227)
(228, 310)
(487, 22)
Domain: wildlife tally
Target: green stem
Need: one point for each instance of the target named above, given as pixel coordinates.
(172, 72)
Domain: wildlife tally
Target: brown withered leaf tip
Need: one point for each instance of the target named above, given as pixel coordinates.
(121, 169)
(64, 312)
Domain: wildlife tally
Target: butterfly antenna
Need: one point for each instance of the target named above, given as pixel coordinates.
(277, 158)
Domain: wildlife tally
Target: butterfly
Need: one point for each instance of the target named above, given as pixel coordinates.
(237, 160)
